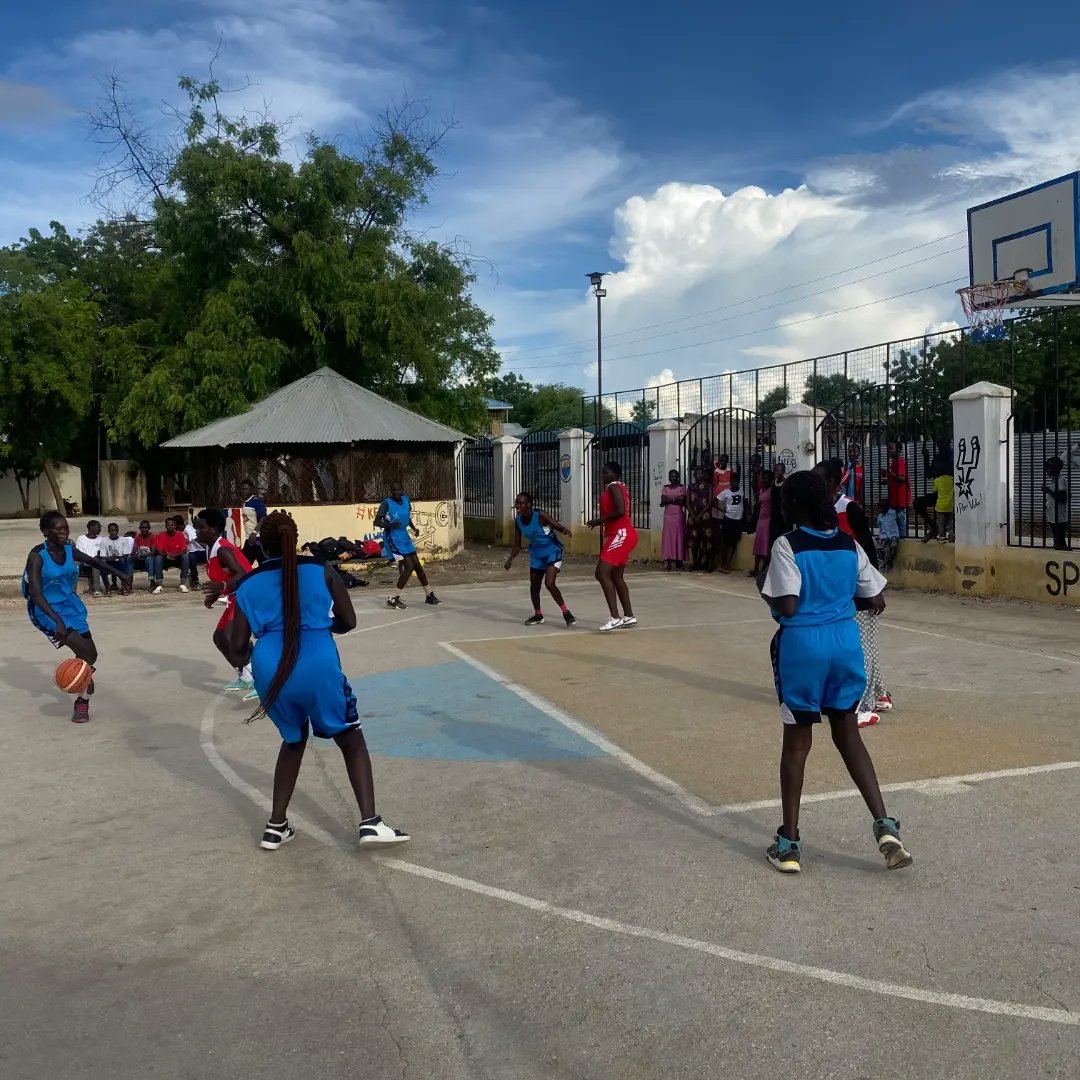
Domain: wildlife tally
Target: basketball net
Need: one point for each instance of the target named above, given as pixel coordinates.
(985, 305)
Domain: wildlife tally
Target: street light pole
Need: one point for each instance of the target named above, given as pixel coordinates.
(596, 278)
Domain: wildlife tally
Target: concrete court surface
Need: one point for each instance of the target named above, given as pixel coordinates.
(586, 894)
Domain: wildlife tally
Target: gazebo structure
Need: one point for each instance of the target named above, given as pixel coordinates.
(327, 450)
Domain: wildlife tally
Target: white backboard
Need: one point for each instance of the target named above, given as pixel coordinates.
(1037, 230)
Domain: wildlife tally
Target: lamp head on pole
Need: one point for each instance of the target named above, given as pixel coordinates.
(595, 278)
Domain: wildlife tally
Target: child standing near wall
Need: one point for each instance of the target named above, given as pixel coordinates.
(943, 506)
(888, 535)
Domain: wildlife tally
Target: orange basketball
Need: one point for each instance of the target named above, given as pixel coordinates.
(73, 676)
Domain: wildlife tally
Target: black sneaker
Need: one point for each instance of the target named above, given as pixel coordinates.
(785, 854)
(568, 618)
(534, 620)
(395, 602)
(432, 599)
(275, 835)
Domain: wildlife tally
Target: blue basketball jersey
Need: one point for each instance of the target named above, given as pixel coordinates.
(542, 538)
(397, 515)
(259, 597)
(58, 583)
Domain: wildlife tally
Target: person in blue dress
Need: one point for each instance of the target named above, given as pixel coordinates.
(394, 517)
(293, 606)
(545, 555)
(49, 585)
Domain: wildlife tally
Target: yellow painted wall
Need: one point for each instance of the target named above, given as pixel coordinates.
(441, 524)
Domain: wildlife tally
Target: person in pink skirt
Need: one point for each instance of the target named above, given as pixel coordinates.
(673, 542)
(761, 533)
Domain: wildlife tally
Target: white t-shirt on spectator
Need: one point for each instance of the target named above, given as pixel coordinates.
(89, 545)
(1057, 504)
(732, 503)
(116, 549)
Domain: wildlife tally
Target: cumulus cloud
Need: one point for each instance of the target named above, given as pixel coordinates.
(703, 273)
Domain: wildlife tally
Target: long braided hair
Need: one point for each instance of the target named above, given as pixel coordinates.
(278, 534)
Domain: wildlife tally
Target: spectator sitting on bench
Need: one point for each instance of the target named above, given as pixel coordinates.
(90, 544)
(144, 555)
(172, 548)
(116, 551)
(195, 551)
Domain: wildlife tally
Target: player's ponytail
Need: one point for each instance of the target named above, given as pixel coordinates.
(805, 495)
(278, 534)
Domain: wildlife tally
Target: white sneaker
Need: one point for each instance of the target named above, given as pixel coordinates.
(183, 587)
(868, 719)
(155, 590)
(222, 600)
(376, 833)
(627, 620)
(276, 835)
(611, 624)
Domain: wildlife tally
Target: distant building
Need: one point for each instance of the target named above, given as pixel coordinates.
(498, 415)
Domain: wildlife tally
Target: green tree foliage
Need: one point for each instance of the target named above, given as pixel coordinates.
(644, 411)
(241, 271)
(827, 392)
(773, 401)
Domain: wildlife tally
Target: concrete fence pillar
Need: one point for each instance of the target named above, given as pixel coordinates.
(573, 478)
(797, 436)
(503, 449)
(665, 439)
(981, 493)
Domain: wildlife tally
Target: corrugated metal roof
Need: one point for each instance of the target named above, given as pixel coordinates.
(494, 403)
(323, 407)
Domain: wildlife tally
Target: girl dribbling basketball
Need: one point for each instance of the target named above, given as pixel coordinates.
(49, 584)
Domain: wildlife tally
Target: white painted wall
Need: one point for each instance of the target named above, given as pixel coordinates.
(41, 497)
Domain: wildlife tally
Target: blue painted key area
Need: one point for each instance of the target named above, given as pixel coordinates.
(452, 712)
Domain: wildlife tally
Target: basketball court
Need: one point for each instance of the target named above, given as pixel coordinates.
(586, 893)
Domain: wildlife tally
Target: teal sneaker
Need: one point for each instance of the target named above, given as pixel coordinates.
(887, 835)
(252, 694)
(784, 854)
(237, 684)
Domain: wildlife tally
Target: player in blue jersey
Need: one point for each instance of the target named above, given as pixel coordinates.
(545, 555)
(817, 578)
(49, 584)
(293, 606)
(394, 517)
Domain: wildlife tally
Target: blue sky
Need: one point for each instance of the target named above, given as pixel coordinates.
(705, 153)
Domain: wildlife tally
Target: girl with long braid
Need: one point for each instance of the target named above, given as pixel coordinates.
(293, 605)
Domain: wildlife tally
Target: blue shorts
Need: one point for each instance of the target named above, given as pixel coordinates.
(77, 623)
(818, 669)
(542, 558)
(317, 695)
(399, 545)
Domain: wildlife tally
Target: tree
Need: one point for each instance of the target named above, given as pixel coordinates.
(47, 352)
(826, 392)
(644, 412)
(773, 401)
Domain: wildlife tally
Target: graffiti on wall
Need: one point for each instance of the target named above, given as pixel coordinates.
(1061, 576)
(968, 458)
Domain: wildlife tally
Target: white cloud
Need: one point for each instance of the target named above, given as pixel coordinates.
(694, 248)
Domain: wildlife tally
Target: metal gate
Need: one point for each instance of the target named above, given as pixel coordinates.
(478, 478)
(536, 470)
(744, 436)
(917, 420)
(628, 444)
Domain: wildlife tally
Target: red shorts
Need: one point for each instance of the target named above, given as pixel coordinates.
(617, 547)
(227, 614)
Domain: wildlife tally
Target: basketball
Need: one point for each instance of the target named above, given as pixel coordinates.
(73, 676)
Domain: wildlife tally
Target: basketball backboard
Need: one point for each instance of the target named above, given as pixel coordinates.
(1030, 238)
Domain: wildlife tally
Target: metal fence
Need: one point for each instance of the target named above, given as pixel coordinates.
(628, 444)
(478, 478)
(536, 470)
(1044, 460)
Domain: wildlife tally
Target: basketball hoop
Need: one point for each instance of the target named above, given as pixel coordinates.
(984, 305)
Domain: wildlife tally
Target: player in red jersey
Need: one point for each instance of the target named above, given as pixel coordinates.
(620, 538)
(225, 566)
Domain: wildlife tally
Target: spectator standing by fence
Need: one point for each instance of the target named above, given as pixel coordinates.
(762, 544)
(895, 477)
(673, 538)
(888, 536)
(1056, 491)
(852, 482)
(698, 524)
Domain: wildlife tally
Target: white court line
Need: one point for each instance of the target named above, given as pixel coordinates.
(935, 785)
(657, 779)
(631, 631)
(708, 948)
(985, 644)
(704, 587)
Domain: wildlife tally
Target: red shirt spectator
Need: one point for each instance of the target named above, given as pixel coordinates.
(897, 479)
(170, 543)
